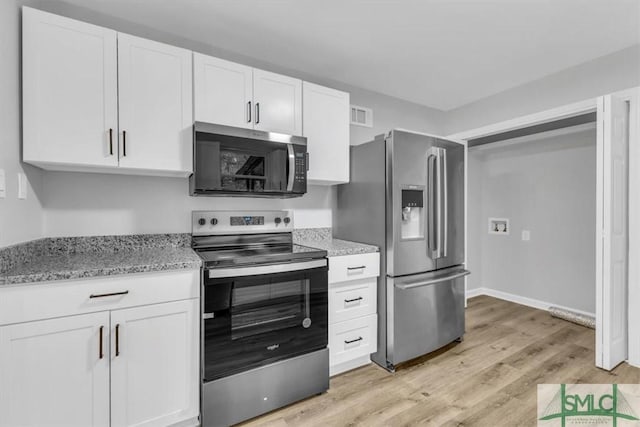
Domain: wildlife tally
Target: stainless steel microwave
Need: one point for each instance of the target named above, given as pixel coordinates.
(230, 161)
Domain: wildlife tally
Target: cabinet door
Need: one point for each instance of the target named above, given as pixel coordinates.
(155, 364)
(51, 372)
(278, 103)
(223, 92)
(326, 126)
(69, 94)
(156, 113)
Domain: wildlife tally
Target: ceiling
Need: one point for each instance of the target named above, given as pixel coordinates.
(439, 53)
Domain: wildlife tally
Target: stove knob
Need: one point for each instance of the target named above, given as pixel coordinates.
(287, 220)
(202, 221)
(214, 221)
(278, 220)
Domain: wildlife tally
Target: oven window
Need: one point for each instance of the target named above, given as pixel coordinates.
(251, 321)
(269, 307)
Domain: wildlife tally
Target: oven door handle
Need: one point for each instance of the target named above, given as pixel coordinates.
(216, 273)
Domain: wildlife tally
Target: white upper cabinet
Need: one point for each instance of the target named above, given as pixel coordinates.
(155, 101)
(70, 84)
(55, 372)
(232, 94)
(326, 126)
(223, 91)
(155, 364)
(278, 103)
(99, 101)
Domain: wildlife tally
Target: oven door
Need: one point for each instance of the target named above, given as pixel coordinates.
(240, 161)
(257, 315)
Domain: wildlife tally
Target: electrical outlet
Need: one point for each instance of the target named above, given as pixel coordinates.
(3, 185)
(526, 235)
(22, 185)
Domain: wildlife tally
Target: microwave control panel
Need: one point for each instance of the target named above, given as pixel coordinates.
(300, 171)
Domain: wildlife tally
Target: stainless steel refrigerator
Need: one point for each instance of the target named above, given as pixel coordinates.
(406, 196)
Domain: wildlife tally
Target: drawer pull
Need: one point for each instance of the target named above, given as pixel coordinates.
(352, 341)
(353, 300)
(112, 294)
(362, 267)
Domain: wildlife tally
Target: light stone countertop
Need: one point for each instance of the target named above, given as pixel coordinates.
(54, 259)
(320, 238)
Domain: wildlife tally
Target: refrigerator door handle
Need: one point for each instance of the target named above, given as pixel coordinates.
(439, 203)
(406, 286)
(445, 205)
(432, 241)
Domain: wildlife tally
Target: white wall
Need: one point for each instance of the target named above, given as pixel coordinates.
(96, 204)
(611, 73)
(546, 186)
(20, 220)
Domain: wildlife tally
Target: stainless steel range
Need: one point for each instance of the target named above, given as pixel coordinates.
(264, 315)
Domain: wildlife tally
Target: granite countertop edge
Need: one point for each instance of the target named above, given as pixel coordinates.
(59, 259)
(62, 275)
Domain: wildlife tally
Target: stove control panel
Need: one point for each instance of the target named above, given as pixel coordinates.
(240, 222)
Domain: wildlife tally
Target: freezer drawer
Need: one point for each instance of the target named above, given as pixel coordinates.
(428, 313)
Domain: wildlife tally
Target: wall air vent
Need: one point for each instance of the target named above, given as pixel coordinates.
(361, 116)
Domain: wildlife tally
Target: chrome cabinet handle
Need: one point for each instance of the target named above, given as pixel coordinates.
(352, 341)
(124, 143)
(112, 294)
(110, 142)
(362, 267)
(101, 350)
(117, 340)
(249, 112)
(353, 300)
(257, 112)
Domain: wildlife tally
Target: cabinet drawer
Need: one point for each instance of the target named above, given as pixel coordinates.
(349, 300)
(25, 303)
(353, 267)
(352, 339)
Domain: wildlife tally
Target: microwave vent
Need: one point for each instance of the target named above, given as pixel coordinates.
(361, 116)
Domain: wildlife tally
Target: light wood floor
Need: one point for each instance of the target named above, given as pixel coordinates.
(487, 380)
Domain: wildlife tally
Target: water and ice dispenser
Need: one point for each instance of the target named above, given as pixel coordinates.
(412, 224)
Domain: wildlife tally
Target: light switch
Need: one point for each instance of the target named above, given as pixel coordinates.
(526, 235)
(3, 185)
(22, 185)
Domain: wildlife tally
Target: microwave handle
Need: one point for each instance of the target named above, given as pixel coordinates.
(292, 167)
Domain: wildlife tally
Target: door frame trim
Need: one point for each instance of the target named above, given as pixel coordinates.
(631, 95)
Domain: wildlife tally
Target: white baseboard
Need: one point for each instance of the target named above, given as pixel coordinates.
(529, 302)
(475, 292)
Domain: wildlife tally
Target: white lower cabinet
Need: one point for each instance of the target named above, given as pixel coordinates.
(155, 364)
(123, 365)
(353, 332)
(51, 372)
